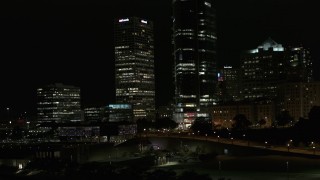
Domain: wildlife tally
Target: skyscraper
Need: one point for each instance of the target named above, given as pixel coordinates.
(59, 103)
(230, 79)
(299, 65)
(195, 59)
(267, 67)
(134, 65)
(263, 71)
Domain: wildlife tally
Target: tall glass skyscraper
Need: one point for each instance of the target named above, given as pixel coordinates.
(134, 65)
(195, 57)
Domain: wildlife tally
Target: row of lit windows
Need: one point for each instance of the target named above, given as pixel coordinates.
(135, 94)
(135, 81)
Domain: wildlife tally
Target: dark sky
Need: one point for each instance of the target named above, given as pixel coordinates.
(71, 41)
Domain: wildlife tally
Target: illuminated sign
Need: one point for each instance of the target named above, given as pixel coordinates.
(227, 67)
(123, 20)
(144, 21)
(120, 106)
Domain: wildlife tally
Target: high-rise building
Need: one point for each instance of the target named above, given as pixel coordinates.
(195, 59)
(299, 65)
(266, 68)
(134, 65)
(230, 79)
(263, 71)
(59, 103)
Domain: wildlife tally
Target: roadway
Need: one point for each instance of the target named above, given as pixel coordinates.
(238, 142)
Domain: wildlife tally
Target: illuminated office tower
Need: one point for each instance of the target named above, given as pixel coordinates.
(230, 78)
(134, 65)
(267, 67)
(59, 103)
(195, 57)
(263, 71)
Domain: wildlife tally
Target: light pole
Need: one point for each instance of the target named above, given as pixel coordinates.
(8, 114)
(231, 140)
(220, 168)
(287, 163)
(289, 144)
(313, 148)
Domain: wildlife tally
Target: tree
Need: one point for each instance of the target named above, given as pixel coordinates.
(165, 123)
(262, 122)
(143, 124)
(160, 174)
(191, 175)
(240, 122)
(202, 125)
(308, 129)
(284, 118)
(314, 114)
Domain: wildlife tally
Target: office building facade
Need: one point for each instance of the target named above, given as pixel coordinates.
(134, 65)
(120, 113)
(195, 59)
(59, 103)
(299, 65)
(94, 114)
(229, 79)
(300, 97)
(263, 71)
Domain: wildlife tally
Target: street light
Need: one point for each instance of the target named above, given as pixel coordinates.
(289, 144)
(287, 163)
(219, 168)
(244, 136)
(231, 140)
(8, 114)
(313, 148)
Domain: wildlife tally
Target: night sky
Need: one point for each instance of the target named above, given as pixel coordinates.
(71, 41)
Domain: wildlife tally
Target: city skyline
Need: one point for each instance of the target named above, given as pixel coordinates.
(49, 42)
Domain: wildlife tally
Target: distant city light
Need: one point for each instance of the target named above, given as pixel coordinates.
(207, 4)
(123, 20)
(144, 21)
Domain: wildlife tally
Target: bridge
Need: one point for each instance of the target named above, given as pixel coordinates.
(225, 145)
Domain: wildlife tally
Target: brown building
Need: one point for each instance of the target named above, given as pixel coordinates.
(223, 114)
(299, 98)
